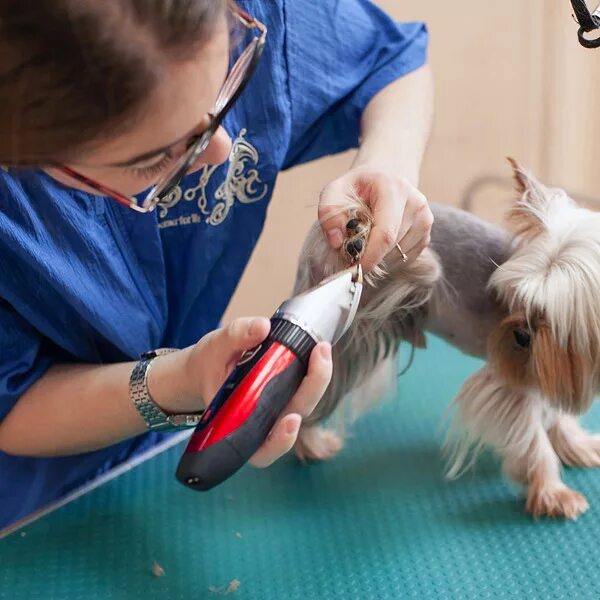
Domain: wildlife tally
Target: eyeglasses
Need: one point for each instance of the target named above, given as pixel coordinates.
(234, 85)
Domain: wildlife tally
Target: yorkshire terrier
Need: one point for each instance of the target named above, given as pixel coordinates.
(528, 303)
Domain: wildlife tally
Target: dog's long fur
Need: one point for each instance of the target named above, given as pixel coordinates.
(528, 304)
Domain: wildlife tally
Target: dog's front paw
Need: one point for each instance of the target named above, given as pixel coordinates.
(556, 501)
(317, 443)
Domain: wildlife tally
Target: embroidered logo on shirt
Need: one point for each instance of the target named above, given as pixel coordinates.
(242, 183)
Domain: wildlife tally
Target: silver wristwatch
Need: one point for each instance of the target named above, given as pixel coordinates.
(156, 418)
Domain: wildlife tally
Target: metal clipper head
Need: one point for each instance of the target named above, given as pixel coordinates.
(327, 310)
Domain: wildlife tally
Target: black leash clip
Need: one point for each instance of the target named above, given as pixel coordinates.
(587, 22)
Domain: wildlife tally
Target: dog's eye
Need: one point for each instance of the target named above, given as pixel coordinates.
(522, 337)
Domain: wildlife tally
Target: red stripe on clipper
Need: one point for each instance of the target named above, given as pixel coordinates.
(242, 402)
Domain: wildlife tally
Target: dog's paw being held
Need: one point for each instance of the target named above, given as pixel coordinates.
(317, 444)
(358, 229)
(555, 501)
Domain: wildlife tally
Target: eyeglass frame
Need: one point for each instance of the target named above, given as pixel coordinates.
(197, 144)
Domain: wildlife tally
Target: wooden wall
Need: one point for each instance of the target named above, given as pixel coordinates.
(511, 80)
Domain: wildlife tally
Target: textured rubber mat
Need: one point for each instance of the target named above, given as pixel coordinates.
(379, 522)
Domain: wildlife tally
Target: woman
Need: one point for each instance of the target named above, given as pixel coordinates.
(104, 108)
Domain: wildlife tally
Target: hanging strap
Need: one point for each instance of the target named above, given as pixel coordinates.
(587, 22)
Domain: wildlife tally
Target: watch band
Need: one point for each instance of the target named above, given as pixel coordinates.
(155, 418)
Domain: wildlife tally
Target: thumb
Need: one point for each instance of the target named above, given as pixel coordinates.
(334, 202)
(240, 335)
(333, 223)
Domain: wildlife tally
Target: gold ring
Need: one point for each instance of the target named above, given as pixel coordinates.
(402, 254)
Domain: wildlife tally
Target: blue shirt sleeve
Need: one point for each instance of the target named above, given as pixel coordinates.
(24, 358)
(340, 53)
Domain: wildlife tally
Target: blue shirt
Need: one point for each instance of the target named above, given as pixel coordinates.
(83, 279)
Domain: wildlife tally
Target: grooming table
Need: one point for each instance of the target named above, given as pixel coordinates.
(378, 522)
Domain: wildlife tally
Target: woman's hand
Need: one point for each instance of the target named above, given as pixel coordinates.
(209, 362)
(76, 408)
(400, 211)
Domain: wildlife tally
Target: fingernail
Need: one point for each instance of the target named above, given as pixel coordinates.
(255, 325)
(325, 351)
(292, 425)
(335, 237)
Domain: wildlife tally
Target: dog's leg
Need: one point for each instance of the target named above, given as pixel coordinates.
(574, 445)
(391, 311)
(513, 421)
(317, 443)
(378, 382)
(318, 260)
(547, 495)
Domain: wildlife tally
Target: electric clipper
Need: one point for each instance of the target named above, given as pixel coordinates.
(245, 409)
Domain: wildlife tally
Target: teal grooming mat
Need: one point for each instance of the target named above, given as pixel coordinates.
(377, 522)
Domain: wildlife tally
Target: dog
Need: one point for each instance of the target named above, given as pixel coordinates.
(527, 302)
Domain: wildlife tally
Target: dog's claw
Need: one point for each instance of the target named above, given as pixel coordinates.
(358, 245)
(352, 225)
(357, 232)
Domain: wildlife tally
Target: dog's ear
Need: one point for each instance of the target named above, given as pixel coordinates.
(563, 374)
(533, 202)
(524, 181)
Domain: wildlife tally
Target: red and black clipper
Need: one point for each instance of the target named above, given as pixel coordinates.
(249, 403)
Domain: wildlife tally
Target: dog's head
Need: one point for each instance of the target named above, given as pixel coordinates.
(551, 286)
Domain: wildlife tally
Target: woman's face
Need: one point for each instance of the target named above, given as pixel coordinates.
(178, 109)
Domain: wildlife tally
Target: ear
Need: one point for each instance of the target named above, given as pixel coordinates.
(524, 181)
(533, 200)
(562, 373)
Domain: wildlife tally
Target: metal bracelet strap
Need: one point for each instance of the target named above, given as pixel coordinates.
(153, 416)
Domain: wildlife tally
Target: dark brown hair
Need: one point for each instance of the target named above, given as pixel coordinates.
(73, 69)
